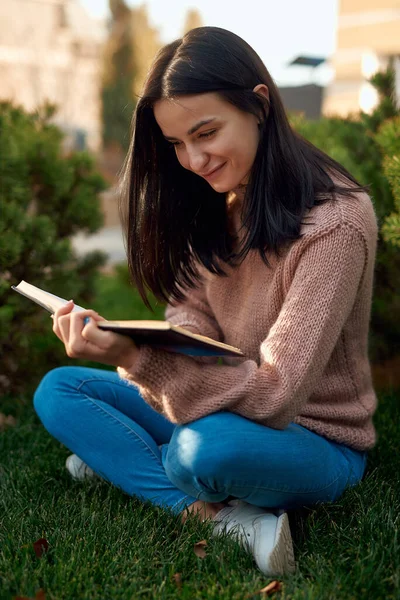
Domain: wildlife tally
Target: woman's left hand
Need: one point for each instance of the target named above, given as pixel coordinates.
(91, 343)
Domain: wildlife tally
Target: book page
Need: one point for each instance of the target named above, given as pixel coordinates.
(45, 299)
(142, 324)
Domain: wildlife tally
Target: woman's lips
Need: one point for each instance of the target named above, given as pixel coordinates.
(214, 173)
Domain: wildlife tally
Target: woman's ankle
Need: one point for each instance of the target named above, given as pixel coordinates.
(204, 510)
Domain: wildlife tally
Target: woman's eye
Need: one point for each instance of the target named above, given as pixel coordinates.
(207, 133)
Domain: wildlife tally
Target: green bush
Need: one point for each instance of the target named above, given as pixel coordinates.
(388, 138)
(368, 146)
(45, 198)
(116, 298)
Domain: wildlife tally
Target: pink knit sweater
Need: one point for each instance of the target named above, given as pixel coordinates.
(302, 325)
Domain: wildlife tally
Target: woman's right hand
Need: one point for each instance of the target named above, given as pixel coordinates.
(83, 339)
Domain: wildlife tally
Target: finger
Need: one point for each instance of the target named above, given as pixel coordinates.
(100, 338)
(107, 346)
(76, 326)
(64, 325)
(63, 310)
(57, 331)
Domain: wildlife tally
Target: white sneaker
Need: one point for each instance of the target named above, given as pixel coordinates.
(263, 533)
(78, 469)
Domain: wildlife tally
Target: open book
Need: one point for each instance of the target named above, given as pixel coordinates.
(159, 334)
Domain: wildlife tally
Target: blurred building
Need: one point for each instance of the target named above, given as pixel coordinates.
(51, 50)
(304, 99)
(368, 36)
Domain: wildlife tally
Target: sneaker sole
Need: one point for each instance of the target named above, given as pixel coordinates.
(281, 560)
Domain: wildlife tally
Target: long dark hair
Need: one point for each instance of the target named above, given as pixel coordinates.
(173, 219)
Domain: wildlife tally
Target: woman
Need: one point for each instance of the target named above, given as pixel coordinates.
(257, 239)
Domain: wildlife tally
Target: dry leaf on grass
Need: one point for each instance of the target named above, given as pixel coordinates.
(6, 421)
(274, 586)
(40, 547)
(199, 549)
(40, 595)
(177, 577)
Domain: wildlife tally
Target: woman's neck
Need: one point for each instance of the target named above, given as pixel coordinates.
(240, 191)
(236, 195)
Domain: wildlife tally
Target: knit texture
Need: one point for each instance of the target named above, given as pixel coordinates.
(302, 325)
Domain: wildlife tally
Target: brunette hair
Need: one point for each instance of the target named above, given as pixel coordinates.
(173, 219)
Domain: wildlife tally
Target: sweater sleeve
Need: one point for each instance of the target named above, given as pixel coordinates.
(293, 356)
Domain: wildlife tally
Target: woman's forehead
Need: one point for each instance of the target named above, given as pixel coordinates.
(185, 111)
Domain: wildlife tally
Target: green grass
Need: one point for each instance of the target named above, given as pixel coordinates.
(106, 545)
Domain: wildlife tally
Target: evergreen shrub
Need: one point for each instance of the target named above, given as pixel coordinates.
(46, 197)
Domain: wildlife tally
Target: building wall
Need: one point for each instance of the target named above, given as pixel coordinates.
(51, 50)
(303, 99)
(368, 35)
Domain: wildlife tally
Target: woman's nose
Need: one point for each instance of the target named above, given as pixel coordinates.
(197, 161)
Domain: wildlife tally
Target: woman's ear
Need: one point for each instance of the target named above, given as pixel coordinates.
(262, 89)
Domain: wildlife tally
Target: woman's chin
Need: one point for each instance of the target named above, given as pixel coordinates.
(224, 187)
(220, 187)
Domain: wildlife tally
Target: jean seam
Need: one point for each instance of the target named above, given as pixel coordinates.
(273, 489)
(313, 491)
(120, 382)
(129, 429)
(351, 469)
(293, 492)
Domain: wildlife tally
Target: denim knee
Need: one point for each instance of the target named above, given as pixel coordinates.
(49, 404)
(195, 456)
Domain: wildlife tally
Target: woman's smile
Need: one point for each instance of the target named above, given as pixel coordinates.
(214, 173)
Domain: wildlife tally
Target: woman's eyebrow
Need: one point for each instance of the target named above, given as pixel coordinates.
(194, 128)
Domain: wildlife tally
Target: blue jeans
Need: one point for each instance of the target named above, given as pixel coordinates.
(105, 421)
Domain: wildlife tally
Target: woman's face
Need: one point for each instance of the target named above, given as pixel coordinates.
(212, 137)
